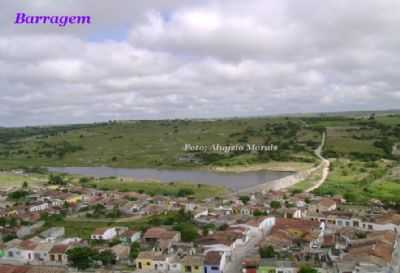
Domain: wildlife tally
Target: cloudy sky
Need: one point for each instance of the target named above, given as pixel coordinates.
(196, 58)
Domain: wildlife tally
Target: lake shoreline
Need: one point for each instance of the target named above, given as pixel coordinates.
(231, 180)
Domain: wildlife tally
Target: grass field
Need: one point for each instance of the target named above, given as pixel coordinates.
(360, 182)
(83, 228)
(309, 182)
(177, 189)
(11, 179)
(158, 143)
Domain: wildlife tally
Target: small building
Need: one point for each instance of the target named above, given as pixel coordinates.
(104, 234)
(130, 236)
(41, 252)
(193, 264)
(121, 252)
(147, 260)
(38, 206)
(53, 233)
(157, 233)
(212, 262)
(326, 204)
(274, 265)
(57, 254)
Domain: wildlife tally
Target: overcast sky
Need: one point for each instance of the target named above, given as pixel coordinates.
(180, 59)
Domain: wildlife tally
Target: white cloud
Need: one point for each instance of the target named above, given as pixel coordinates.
(212, 58)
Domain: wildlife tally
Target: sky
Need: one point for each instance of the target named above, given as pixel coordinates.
(158, 59)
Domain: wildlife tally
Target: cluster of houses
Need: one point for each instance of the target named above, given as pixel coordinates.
(209, 253)
(50, 246)
(285, 231)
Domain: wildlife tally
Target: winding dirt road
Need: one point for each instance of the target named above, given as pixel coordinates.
(325, 165)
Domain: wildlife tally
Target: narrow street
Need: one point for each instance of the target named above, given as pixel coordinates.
(249, 249)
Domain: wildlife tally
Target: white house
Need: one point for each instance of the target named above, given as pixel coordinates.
(38, 206)
(57, 202)
(174, 264)
(224, 210)
(104, 234)
(131, 236)
(41, 251)
(201, 213)
(379, 223)
(266, 224)
(22, 251)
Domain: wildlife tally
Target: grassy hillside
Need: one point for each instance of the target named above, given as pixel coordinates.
(157, 143)
(10, 179)
(359, 182)
(161, 143)
(360, 138)
(364, 149)
(177, 189)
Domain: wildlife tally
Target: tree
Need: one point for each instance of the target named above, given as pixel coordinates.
(135, 250)
(207, 228)
(18, 195)
(244, 199)
(56, 180)
(223, 227)
(184, 192)
(307, 269)
(188, 232)
(106, 257)
(267, 252)
(275, 204)
(83, 180)
(81, 257)
(25, 185)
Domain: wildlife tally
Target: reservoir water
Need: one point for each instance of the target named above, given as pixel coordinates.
(232, 180)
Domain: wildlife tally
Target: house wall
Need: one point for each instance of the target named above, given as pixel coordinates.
(109, 234)
(297, 214)
(175, 267)
(40, 207)
(342, 222)
(64, 258)
(381, 227)
(135, 237)
(41, 256)
(147, 264)
(267, 224)
(211, 269)
(200, 268)
(74, 199)
(27, 255)
(57, 203)
(203, 213)
(160, 266)
(13, 253)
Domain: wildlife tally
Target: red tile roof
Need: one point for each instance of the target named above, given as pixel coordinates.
(28, 245)
(326, 202)
(287, 223)
(159, 233)
(212, 258)
(57, 249)
(129, 233)
(389, 218)
(13, 269)
(99, 231)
